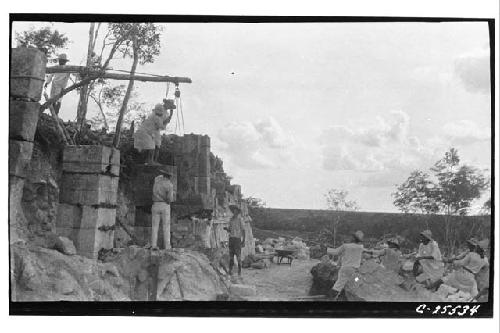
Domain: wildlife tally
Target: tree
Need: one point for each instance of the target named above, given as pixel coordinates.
(486, 209)
(138, 41)
(415, 195)
(336, 200)
(141, 42)
(45, 39)
(108, 99)
(451, 192)
(255, 202)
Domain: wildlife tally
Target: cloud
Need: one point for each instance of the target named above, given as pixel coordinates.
(473, 69)
(374, 148)
(465, 132)
(263, 144)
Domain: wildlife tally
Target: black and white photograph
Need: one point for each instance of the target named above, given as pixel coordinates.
(251, 165)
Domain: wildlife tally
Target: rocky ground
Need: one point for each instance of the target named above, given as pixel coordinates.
(132, 274)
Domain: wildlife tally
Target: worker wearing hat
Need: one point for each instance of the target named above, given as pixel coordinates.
(390, 257)
(350, 260)
(468, 265)
(237, 236)
(148, 132)
(163, 196)
(59, 81)
(161, 110)
(428, 267)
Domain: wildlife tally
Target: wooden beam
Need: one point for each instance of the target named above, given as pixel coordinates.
(116, 76)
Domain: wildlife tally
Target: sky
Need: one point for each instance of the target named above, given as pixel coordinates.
(315, 106)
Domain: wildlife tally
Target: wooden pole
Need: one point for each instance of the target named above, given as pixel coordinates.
(123, 109)
(116, 76)
(84, 96)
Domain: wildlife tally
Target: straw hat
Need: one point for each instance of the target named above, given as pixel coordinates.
(427, 234)
(359, 235)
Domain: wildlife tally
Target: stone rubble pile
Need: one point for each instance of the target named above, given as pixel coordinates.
(297, 245)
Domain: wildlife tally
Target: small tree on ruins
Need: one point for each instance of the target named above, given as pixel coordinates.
(45, 39)
(142, 44)
(138, 41)
(336, 200)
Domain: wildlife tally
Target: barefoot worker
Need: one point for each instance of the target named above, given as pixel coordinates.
(429, 267)
(237, 235)
(163, 195)
(350, 260)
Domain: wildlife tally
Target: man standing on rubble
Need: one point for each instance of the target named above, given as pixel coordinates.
(350, 254)
(59, 82)
(147, 137)
(163, 195)
(237, 235)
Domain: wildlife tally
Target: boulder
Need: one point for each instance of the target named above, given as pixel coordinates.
(42, 274)
(372, 282)
(324, 276)
(65, 245)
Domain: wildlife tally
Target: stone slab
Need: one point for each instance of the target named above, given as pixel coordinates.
(23, 119)
(19, 157)
(27, 73)
(91, 159)
(94, 218)
(88, 189)
(89, 242)
(68, 217)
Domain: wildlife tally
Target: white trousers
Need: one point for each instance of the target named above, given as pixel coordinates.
(160, 211)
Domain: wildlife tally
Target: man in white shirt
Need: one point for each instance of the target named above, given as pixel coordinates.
(59, 81)
(163, 195)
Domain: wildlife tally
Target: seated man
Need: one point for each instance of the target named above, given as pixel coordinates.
(470, 264)
(390, 257)
(429, 267)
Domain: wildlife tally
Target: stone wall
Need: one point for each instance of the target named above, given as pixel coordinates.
(27, 74)
(88, 197)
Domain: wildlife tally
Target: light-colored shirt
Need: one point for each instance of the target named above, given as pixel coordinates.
(151, 124)
(59, 82)
(433, 267)
(236, 227)
(472, 261)
(163, 190)
(350, 254)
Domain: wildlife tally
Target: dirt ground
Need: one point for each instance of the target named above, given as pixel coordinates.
(281, 282)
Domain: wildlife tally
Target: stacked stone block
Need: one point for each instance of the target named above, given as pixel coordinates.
(27, 75)
(88, 197)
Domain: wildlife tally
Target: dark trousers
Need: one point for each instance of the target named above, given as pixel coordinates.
(234, 249)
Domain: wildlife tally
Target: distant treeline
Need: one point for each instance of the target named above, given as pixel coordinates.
(374, 225)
